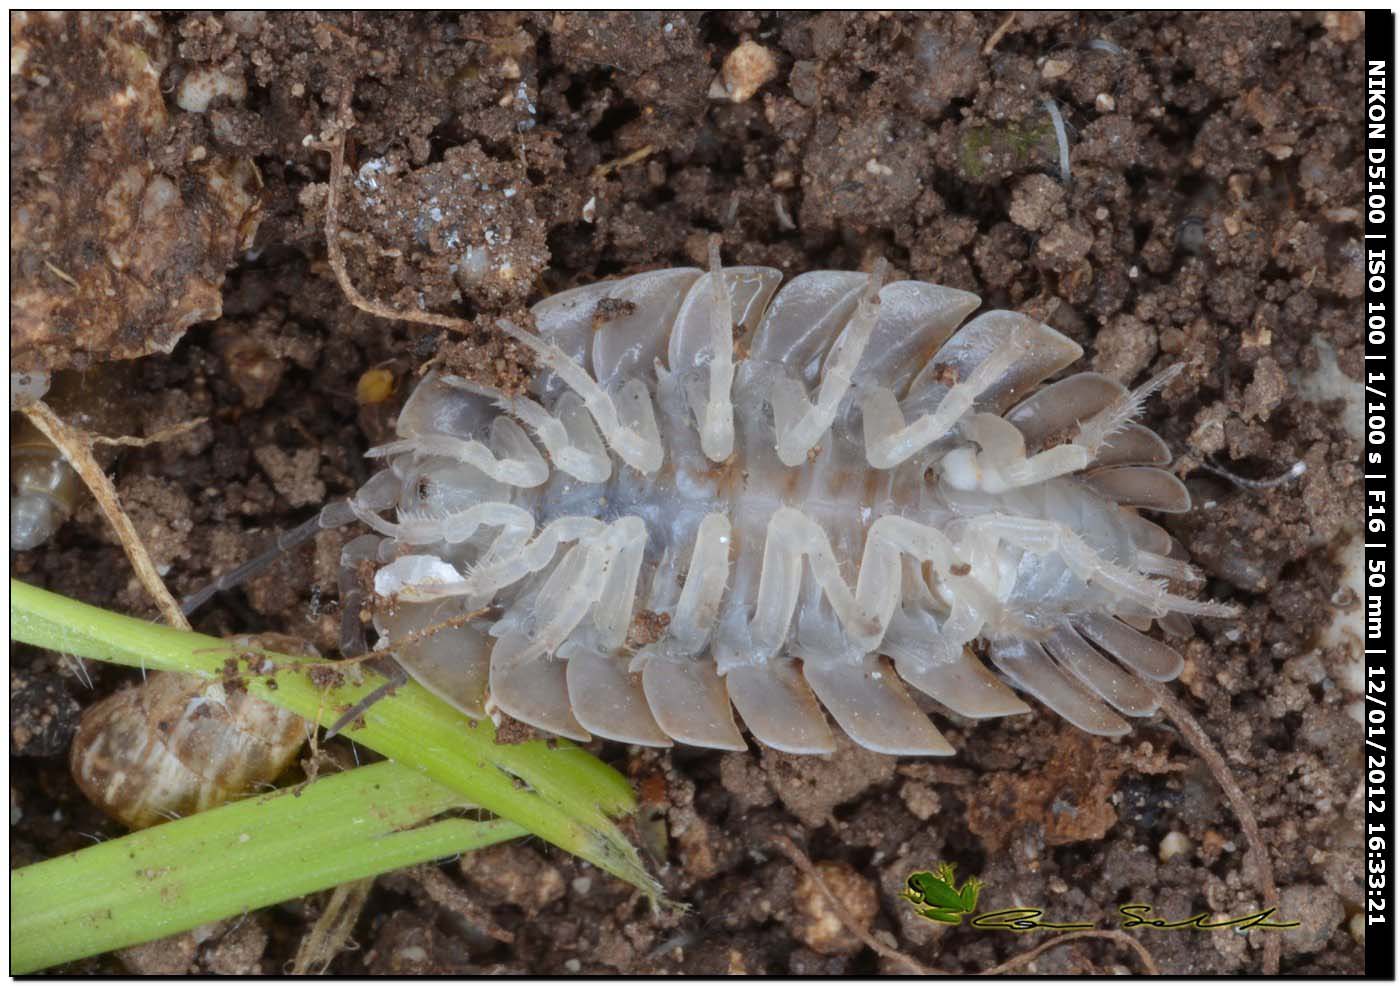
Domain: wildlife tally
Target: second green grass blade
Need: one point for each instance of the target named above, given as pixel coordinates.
(555, 790)
(234, 859)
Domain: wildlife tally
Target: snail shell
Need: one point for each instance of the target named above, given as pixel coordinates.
(178, 744)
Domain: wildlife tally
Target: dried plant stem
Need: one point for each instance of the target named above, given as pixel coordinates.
(77, 449)
(1197, 739)
(999, 33)
(336, 257)
(1121, 937)
(328, 937)
(799, 859)
(608, 167)
(163, 435)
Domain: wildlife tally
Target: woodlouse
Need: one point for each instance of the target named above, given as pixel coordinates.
(768, 445)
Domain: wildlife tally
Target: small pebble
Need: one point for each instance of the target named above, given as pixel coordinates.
(1173, 844)
(746, 69)
(814, 921)
(202, 86)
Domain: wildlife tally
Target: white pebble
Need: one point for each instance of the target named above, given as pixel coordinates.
(1173, 844)
(202, 86)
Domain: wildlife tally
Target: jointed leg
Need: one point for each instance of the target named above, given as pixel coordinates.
(889, 441)
(362, 549)
(1043, 537)
(800, 423)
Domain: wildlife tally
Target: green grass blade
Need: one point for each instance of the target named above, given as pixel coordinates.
(234, 859)
(555, 790)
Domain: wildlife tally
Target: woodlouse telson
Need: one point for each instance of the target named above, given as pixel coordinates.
(724, 496)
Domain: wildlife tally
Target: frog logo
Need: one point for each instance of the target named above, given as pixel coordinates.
(937, 897)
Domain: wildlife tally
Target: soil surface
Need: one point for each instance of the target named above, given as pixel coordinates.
(1208, 217)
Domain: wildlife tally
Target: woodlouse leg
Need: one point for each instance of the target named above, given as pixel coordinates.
(1045, 537)
(800, 423)
(935, 659)
(889, 441)
(598, 576)
(361, 550)
(624, 544)
(511, 458)
(1094, 432)
(569, 435)
(716, 417)
(865, 613)
(421, 578)
(509, 560)
(1002, 463)
(698, 607)
(549, 617)
(1151, 563)
(629, 426)
(431, 526)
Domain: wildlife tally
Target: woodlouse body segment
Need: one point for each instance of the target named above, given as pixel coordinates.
(813, 498)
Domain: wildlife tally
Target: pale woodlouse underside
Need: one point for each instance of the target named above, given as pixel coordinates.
(723, 496)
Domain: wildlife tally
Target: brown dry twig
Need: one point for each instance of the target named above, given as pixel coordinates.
(331, 933)
(999, 33)
(336, 258)
(1123, 938)
(1197, 739)
(799, 859)
(163, 435)
(608, 167)
(77, 449)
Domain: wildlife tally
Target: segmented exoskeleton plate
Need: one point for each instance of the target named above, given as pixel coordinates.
(720, 495)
